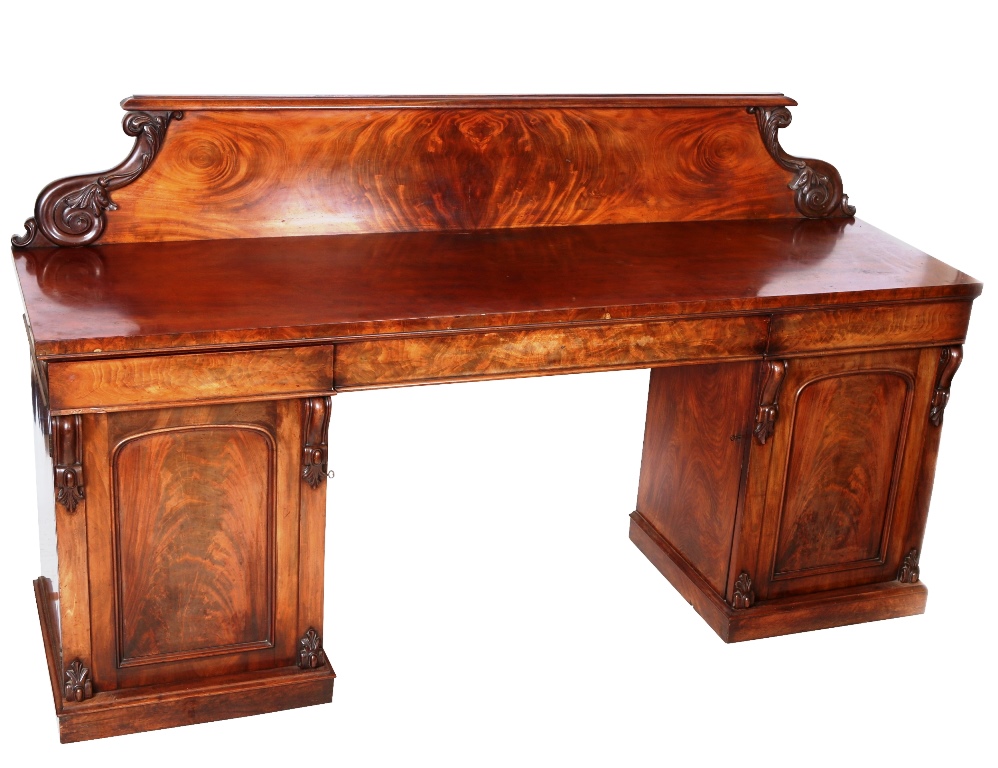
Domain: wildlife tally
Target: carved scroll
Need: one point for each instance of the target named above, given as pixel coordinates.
(72, 211)
(310, 653)
(908, 572)
(769, 409)
(949, 361)
(78, 683)
(817, 184)
(743, 596)
(67, 453)
(315, 452)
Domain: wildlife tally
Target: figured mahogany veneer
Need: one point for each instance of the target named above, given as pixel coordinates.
(192, 310)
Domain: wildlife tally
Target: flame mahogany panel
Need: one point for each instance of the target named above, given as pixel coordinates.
(194, 513)
(838, 497)
(274, 173)
(834, 504)
(193, 541)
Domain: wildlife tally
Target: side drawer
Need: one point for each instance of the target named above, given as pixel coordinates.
(925, 324)
(538, 351)
(142, 382)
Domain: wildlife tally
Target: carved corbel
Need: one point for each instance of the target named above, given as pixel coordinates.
(67, 452)
(310, 653)
(908, 572)
(743, 596)
(78, 683)
(315, 451)
(72, 211)
(769, 409)
(817, 185)
(949, 361)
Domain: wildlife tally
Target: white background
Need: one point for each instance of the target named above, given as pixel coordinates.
(484, 606)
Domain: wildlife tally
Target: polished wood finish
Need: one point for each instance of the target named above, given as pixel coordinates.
(497, 355)
(275, 172)
(194, 513)
(869, 327)
(195, 541)
(651, 101)
(696, 435)
(71, 211)
(185, 349)
(817, 610)
(839, 492)
(145, 382)
(104, 301)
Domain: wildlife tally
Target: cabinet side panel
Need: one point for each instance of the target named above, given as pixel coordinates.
(194, 514)
(46, 504)
(691, 468)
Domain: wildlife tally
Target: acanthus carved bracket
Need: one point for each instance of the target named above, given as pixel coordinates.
(72, 211)
(67, 450)
(908, 572)
(769, 409)
(78, 683)
(817, 185)
(743, 596)
(310, 653)
(315, 450)
(949, 361)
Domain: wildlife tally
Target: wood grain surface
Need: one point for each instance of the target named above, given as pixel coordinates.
(838, 495)
(783, 616)
(134, 710)
(104, 300)
(193, 541)
(146, 382)
(696, 434)
(501, 354)
(832, 502)
(869, 327)
(275, 173)
(195, 522)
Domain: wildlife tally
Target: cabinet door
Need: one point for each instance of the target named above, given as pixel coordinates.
(832, 491)
(195, 520)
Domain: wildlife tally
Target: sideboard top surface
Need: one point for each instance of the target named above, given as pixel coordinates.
(138, 297)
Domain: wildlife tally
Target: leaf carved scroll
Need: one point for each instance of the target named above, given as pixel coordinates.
(816, 184)
(71, 212)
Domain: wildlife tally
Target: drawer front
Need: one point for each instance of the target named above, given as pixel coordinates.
(143, 382)
(534, 352)
(926, 324)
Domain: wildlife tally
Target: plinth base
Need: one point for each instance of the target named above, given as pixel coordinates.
(784, 616)
(149, 708)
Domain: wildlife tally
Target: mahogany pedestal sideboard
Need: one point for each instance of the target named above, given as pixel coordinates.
(191, 311)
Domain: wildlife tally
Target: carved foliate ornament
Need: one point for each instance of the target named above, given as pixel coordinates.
(743, 596)
(816, 184)
(67, 451)
(949, 360)
(310, 653)
(78, 683)
(315, 451)
(769, 409)
(908, 572)
(72, 211)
